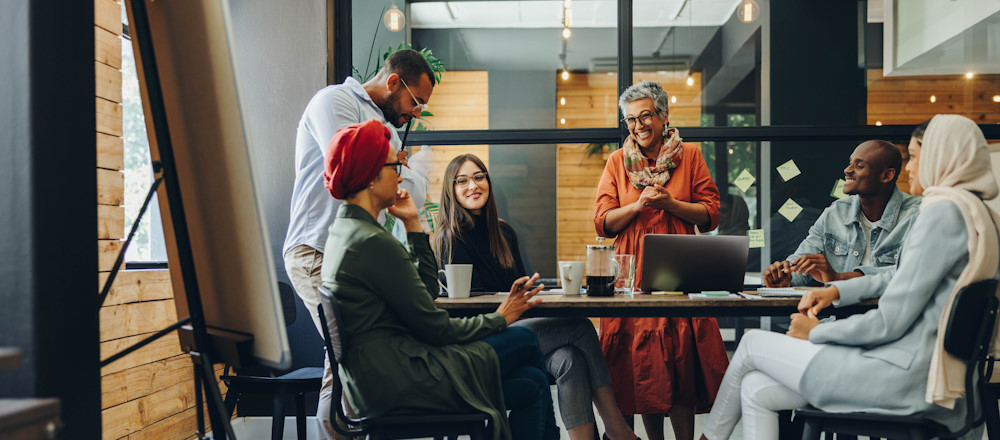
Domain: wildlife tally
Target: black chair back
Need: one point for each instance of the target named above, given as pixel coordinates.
(967, 336)
(329, 319)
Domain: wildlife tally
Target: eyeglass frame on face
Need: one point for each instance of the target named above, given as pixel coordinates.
(398, 167)
(475, 177)
(645, 118)
(418, 104)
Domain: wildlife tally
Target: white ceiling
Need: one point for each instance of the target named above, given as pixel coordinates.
(585, 13)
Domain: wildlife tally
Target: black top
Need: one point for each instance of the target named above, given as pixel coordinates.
(473, 247)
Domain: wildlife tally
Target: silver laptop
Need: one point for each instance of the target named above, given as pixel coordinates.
(693, 263)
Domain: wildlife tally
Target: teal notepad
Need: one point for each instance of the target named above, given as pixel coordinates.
(713, 293)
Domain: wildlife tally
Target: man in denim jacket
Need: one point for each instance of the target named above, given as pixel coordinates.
(857, 235)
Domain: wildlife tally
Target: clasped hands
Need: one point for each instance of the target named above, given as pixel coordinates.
(809, 306)
(657, 197)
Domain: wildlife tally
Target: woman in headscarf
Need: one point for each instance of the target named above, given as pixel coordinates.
(657, 184)
(890, 360)
(403, 355)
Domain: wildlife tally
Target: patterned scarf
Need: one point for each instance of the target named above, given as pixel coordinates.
(640, 173)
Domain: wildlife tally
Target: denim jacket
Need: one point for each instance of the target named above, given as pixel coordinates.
(837, 234)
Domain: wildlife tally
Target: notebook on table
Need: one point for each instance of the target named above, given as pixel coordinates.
(694, 263)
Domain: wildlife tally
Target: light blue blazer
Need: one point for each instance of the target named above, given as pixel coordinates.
(879, 361)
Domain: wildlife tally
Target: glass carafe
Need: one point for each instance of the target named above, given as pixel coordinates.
(602, 270)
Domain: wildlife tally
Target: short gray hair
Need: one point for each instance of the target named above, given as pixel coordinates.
(646, 89)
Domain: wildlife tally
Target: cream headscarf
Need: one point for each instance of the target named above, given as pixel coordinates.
(955, 166)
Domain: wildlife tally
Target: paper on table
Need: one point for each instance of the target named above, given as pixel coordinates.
(744, 180)
(790, 210)
(838, 189)
(756, 238)
(703, 296)
(788, 170)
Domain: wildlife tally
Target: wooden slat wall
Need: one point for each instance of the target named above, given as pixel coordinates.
(148, 394)
(591, 101)
(460, 102)
(906, 100)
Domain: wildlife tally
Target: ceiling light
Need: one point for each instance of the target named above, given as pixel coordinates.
(673, 100)
(690, 81)
(567, 3)
(565, 74)
(878, 123)
(747, 11)
(394, 19)
(969, 75)
(933, 98)
(566, 33)
(562, 121)
(562, 101)
(996, 98)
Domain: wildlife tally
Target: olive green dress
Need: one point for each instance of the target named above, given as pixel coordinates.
(403, 355)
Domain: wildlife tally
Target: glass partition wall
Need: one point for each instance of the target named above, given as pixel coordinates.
(776, 100)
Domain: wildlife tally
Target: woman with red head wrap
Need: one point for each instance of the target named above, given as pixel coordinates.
(403, 355)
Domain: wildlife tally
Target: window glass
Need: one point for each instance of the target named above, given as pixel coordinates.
(148, 244)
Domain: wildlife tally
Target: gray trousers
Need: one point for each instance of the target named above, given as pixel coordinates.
(573, 356)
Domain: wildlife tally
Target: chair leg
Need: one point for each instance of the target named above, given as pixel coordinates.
(278, 415)
(232, 397)
(300, 415)
(992, 412)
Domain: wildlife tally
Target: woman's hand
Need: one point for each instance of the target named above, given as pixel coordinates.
(519, 299)
(801, 325)
(406, 211)
(660, 199)
(815, 300)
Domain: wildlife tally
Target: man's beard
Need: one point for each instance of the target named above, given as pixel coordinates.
(391, 113)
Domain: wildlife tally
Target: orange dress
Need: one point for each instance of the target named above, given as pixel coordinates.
(656, 362)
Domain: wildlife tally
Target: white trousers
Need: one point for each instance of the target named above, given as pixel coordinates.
(762, 379)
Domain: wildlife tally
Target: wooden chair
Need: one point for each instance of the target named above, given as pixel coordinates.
(390, 427)
(967, 337)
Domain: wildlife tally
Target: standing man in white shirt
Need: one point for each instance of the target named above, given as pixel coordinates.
(397, 94)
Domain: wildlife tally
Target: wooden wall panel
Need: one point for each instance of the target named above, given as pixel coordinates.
(108, 16)
(107, 48)
(110, 187)
(906, 100)
(107, 252)
(134, 383)
(110, 222)
(592, 101)
(138, 285)
(110, 152)
(109, 82)
(139, 318)
(109, 117)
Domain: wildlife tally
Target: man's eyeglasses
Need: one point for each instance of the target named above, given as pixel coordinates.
(646, 119)
(397, 167)
(464, 180)
(416, 104)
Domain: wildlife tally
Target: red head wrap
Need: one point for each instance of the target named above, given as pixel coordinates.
(356, 155)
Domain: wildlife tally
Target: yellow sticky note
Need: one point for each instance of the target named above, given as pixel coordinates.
(744, 180)
(788, 170)
(790, 209)
(838, 189)
(667, 292)
(756, 238)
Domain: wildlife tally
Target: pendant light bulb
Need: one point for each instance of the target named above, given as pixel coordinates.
(566, 33)
(394, 19)
(565, 74)
(747, 11)
(690, 81)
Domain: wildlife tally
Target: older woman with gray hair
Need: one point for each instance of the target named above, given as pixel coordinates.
(657, 184)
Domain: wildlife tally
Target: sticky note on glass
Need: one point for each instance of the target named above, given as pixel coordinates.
(788, 170)
(756, 238)
(838, 190)
(744, 180)
(790, 210)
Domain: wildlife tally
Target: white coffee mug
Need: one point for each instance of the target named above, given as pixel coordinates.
(571, 276)
(459, 278)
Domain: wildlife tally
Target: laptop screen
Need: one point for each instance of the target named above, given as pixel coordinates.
(693, 263)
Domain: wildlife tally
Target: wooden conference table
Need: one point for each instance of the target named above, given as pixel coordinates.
(643, 305)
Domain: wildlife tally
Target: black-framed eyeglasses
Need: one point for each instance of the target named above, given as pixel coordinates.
(646, 118)
(464, 180)
(398, 167)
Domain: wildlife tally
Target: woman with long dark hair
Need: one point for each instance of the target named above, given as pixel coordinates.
(469, 231)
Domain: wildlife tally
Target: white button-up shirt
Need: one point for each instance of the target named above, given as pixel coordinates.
(313, 208)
